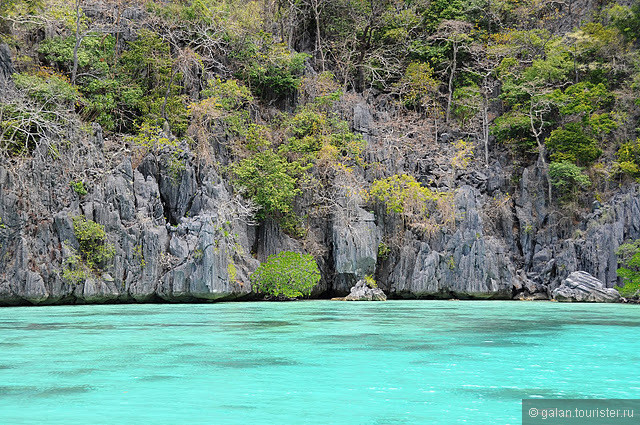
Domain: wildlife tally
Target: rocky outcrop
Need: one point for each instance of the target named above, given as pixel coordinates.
(181, 234)
(355, 246)
(464, 262)
(6, 65)
(362, 292)
(177, 237)
(582, 287)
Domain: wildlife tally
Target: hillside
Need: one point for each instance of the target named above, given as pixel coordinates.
(161, 150)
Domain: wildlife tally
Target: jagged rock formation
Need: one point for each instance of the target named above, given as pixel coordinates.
(582, 287)
(203, 255)
(462, 263)
(355, 245)
(362, 292)
(6, 65)
(181, 234)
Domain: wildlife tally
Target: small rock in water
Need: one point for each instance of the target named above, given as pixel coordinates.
(362, 292)
(582, 287)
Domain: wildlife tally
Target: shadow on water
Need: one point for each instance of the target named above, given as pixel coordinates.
(158, 378)
(55, 326)
(62, 391)
(251, 363)
(238, 407)
(32, 391)
(74, 372)
(259, 324)
(521, 393)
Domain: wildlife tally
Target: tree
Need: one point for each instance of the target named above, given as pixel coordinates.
(287, 274)
(487, 58)
(418, 90)
(317, 6)
(528, 92)
(83, 28)
(368, 40)
(456, 35)
(539, 109)
(567, 178)
(629, 158)
(267, 179)
(629, 254)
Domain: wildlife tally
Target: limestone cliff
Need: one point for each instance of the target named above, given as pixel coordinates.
(184, 236)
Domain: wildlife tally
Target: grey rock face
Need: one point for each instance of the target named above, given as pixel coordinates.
(181, 234)
(582, 287)
(204, 257)
(464, 263)
(6, 65)
(362, 292)
(362, 119)
(355, 246)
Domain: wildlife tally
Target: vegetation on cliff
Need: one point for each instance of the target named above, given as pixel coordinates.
(265, 92)
(629, 254)
(286, 274)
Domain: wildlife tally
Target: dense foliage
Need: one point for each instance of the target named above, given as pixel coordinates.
(92, 241)
(287, 274)
(629, 254)
(93, 254)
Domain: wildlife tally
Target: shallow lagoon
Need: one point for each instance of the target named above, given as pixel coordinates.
(310, 362)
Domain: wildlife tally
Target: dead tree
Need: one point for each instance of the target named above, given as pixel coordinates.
(456, 35)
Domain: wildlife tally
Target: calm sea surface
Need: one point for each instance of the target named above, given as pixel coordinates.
(311, 362)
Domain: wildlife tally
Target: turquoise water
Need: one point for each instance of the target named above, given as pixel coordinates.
(315, 362)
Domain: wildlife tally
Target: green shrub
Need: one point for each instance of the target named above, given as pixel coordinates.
(311, 130)
(626, 19)
(629, 158)
(514, 129)
(225, 105)
(629, 258)
(286, 274)
(94, 53)
(567, 177)
(227, 95)
(370, 281)
(466, 103)
(269, 180)
(78, 187)
(109, 98)
(383, 251)
(270, 69)
(131, 89)
(149, 66)
(94, 249)
(572, 144)
(418, 87)
(75, 271)
(47, 88)
(401, 193)
(583, 98)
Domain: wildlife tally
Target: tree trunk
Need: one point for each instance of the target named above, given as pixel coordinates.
(74, 72)
(166, 96)
(451, 75)
(316, 12)
(364, 44)
(485, 120)
(541, 150)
